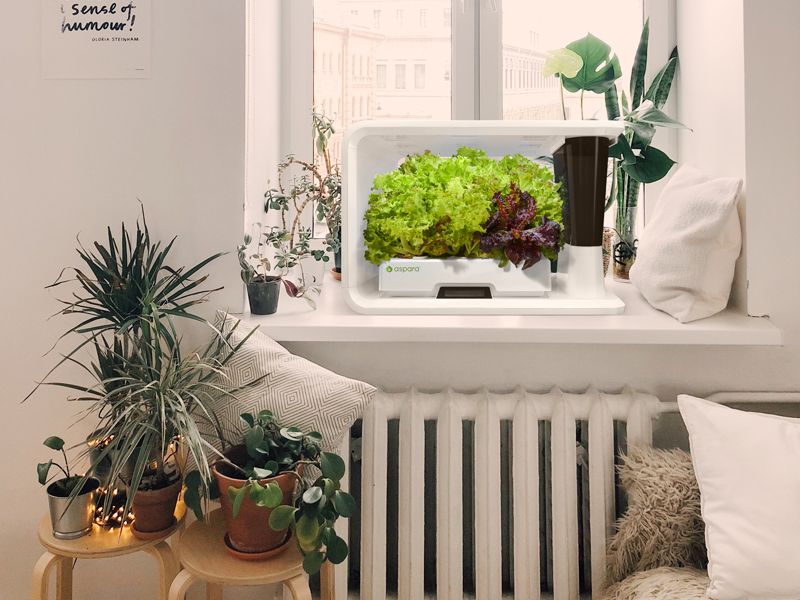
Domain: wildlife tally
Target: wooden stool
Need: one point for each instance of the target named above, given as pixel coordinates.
(100, 543)
(203, 557)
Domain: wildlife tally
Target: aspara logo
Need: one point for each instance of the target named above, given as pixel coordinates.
(391, 269)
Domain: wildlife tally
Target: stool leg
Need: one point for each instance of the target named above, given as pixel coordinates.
(327, 581)
(41, 575)
(298, 587)
(213, 591)
(180, 585)
(167, 564)
(64, 579)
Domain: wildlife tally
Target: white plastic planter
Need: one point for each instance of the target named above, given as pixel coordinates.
(446, 278)
(374, 147)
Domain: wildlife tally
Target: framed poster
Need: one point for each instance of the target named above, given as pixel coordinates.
(96, 39)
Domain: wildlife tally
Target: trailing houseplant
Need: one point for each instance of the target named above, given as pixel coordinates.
(264, 493)
(144, 391)
(70, 498)
(438, 206)
(588, 64)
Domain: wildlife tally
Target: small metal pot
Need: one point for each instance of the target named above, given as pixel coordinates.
(72, 518)
(263, 296)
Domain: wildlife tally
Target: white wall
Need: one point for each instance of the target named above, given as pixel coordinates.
(63, 169)
(75, 156)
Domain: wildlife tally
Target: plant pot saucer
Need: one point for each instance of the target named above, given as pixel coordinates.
(337, 275)
(152, 535)
(253, 556)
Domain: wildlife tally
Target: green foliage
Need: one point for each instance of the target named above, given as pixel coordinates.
(273, 449)
(438, 206)
(69, 482)
(144, 392)
(599, 70)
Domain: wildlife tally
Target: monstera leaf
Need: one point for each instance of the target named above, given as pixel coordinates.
(562, 62)
(600, 66)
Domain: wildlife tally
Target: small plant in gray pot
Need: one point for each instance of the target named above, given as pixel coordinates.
(71, 498)
(263, 275)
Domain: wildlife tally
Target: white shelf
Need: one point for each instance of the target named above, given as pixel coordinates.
(335, 321)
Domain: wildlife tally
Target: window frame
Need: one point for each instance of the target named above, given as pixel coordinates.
(477, 69)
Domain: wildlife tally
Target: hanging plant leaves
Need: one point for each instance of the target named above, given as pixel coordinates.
(651, 165)
(562, 62)
(600, 66)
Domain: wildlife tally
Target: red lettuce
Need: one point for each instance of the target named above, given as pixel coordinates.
(516, 233)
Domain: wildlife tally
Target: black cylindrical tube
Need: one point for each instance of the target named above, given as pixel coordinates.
(581, 166)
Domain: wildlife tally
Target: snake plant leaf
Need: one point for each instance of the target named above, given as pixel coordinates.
(648, 113)
(640, 66)
(612, 103)
(651, 165)
(562, 62)
(660, 87)
(600, 67)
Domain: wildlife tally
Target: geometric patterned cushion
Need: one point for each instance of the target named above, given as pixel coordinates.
(298, 392)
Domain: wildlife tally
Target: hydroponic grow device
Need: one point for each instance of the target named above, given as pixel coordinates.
(579, 150)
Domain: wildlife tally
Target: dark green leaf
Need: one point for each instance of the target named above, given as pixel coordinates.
(248, 418)
(344, 503)
(237, 497)
(660, 87)
(651, 165)
(313, 562)
(332, 465)
(54, 443)
(253, 439)
(612, 103)
(42, 470)
(336, 550)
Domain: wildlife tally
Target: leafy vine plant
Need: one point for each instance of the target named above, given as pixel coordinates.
(301, 184)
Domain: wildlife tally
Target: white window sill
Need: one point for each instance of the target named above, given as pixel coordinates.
(334, 321)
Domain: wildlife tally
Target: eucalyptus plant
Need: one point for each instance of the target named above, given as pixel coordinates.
(589, 64)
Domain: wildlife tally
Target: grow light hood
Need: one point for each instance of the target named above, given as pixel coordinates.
(375, 147)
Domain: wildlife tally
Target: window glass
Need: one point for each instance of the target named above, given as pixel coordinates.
(379, 46)
(532, 27)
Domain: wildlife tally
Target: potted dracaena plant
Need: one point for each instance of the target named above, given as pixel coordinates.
(266, 498)
(145, 392)
(70, 498)
(589, 65)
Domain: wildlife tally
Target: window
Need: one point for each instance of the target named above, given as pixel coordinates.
(419, 76)
(423, 18)
(400, 76)
(398, 16)
(380, 76)
(531, 27)
(376, 18)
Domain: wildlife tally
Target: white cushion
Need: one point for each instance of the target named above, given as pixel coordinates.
(298, 392)
(688, 249)
(748, 469)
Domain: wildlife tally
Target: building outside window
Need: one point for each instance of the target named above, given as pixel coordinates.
(400, 76)
(419, 76)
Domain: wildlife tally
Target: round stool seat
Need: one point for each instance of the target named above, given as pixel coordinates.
(203, 553)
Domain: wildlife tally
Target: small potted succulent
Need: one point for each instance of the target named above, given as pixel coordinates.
(263, 279)
(71, 498)
(266, 498)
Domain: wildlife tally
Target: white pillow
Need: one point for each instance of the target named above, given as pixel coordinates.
(298, 392)
(748, 470)
(688, 249)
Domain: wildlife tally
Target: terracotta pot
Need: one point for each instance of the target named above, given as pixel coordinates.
(155, 509)
(249, 532)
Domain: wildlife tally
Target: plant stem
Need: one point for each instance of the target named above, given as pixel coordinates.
(563, 107)
(66, 464)
(582, 104)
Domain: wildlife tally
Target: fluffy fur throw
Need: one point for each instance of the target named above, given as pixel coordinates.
(665, 583)
(662, 526)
